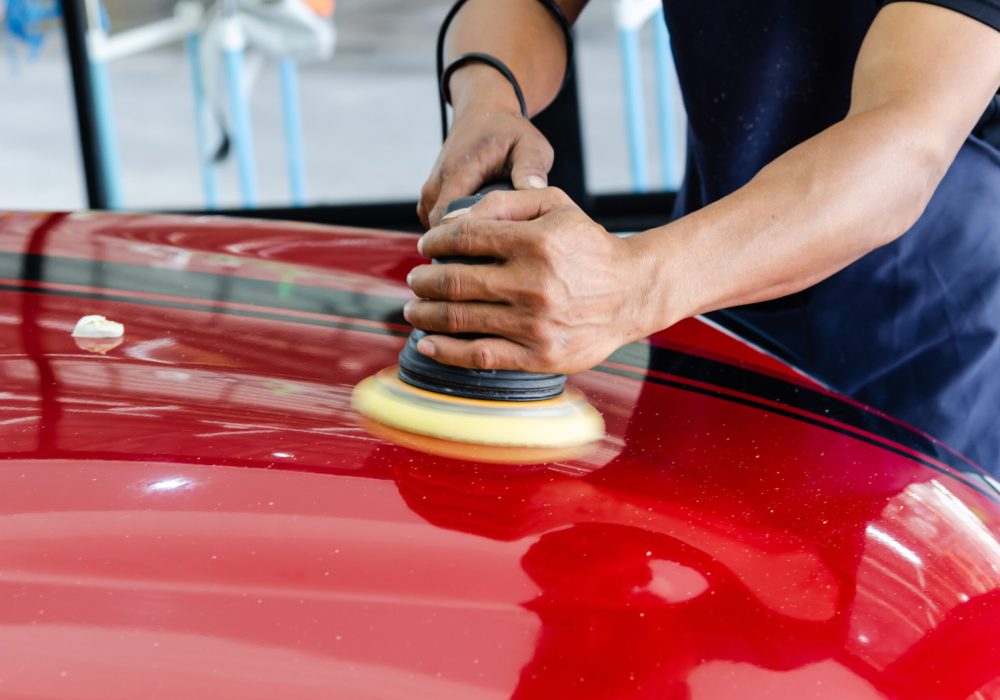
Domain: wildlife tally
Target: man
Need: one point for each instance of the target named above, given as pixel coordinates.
(819, 134)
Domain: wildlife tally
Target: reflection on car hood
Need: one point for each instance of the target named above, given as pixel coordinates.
(197, 511)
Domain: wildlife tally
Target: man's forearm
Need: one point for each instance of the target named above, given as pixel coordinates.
(522, 34)
(824, 204)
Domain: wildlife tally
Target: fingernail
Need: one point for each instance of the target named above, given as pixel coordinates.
(458, 212)
(406, 310)
(535, 182)
(426, 347)
(409, 278)
(420, 248)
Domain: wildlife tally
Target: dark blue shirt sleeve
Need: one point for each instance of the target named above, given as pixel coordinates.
(986, 11)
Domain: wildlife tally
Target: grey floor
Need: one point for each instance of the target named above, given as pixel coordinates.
(369, 114)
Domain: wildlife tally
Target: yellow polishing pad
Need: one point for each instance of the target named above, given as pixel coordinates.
(494, 454)
(565, 421)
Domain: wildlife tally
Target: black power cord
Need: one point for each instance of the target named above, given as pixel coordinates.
(478, 57)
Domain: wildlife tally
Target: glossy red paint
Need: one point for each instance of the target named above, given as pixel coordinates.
(197, 513)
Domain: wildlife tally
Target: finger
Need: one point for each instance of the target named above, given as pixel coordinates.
(428, 195)
(458, 282)
(455, 184)
(429, 192)
(518, 205)
(530, 163)
(471, 236)
(483, 353)
(423, 211)
(462, 317)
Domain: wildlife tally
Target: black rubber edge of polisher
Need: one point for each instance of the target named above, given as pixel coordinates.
(491, 385)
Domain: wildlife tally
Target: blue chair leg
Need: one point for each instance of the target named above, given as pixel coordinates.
(242, 131)
(635, 109)
(208, 179)
(293, 130)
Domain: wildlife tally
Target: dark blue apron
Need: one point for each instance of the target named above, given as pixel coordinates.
(913, 328)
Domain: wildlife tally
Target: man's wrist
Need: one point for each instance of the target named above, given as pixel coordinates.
(666, 291)
(477, 87)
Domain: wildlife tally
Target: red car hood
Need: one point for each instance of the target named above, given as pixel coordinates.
(198, 513)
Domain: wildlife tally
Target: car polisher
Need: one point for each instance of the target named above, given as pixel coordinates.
(484, 407)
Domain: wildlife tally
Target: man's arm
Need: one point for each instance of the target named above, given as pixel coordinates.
(923, 78)
(489, 138)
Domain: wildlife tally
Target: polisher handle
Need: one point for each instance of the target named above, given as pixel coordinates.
(466, 202)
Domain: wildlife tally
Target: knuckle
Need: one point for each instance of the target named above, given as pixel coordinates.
(537, 331)
(556, 195)
(544, 151)
(455, 318)
(544, 355)
(463, 235)
(530, 360)
(492, 199)
(482, 357)
(549, 349)
(547, 150)
(539, 303)
(543, 339)
(550, 295)
(428, 190)
(452, 283)
(534, 244)
(547, 248)
(548, 245)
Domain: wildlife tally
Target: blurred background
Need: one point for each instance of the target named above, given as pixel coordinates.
(366, 115)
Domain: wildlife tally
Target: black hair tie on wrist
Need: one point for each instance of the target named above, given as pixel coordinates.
(494, 62)
(444, 74)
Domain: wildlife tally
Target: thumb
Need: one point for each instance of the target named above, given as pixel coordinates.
(530, 162)
(459, 184)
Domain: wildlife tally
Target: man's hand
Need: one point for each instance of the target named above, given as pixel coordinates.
(563, 295)
(489, 140)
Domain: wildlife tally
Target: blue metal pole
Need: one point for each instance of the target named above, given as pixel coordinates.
(665, 97)
(293, 130)
(242, 131)
(208, 179)
(107, 144)
(635, 108)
